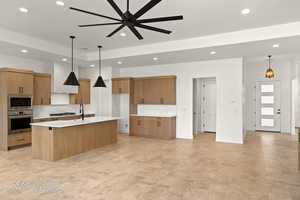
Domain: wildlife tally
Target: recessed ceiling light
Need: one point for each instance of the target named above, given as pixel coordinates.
(64, 60)
(246, 11)
(155, 58)
(119, 62)
(276, 45)
(60, 3)
(92, 65)
(213, 53)
(23, 10)
(123, 34)
(24, 51)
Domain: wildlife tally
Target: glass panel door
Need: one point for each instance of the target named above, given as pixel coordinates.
(268, 106)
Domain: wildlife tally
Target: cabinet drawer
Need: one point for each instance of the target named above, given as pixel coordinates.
(19, 139)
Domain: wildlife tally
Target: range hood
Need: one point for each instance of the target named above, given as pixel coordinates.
(60, 92)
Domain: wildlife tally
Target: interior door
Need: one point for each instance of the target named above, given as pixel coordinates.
(209, 105)
(268, 116)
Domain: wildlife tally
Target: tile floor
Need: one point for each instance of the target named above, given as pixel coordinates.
(265, 168)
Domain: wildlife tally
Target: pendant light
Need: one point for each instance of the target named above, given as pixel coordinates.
(270, 73)
(100, 82)
(72, 80)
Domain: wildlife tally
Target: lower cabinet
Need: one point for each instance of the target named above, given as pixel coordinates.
(19, 139)
(154, 127)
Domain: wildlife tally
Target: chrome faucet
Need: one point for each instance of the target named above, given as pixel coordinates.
(82, 111)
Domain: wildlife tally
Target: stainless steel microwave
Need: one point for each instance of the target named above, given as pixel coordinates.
(19, 102)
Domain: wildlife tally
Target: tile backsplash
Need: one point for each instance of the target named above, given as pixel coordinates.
(155, 109)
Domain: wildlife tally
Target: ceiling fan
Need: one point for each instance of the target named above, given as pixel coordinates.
(131, 20)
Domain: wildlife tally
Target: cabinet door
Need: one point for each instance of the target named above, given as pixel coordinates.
(125, 85)
(116, 84)
(168, 91)
(42, 90)
(150, 127)
(19, 83)
(152, 91)
(85, 91)
(138, 91)
(136, 126)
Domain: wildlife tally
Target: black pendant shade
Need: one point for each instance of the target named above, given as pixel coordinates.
(72, 80)
(100, 82)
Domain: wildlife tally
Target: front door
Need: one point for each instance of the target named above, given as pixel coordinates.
(268, 106)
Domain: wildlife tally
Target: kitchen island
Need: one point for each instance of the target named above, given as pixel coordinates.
(57, 140)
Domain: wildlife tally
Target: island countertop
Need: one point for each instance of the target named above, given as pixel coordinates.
(77, 122)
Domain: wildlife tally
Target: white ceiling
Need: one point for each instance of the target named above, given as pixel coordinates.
(201, 17)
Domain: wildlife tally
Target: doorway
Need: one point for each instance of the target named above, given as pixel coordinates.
(204, 105)
(268, 109)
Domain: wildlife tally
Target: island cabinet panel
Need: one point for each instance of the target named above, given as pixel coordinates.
(58, 143)
(155, 90)
(19, 83)
(84, 93)
(42, 89)
(154, 127)
(121, 85)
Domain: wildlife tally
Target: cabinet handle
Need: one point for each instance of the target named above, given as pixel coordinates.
(158, 123)
(120, 90)
(49, 100)
(162, 100)
(42, 101)
(143, 101)
(139, 122)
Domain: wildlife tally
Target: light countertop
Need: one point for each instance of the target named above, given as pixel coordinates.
(154, 115)
(62, 116)
(77, 122)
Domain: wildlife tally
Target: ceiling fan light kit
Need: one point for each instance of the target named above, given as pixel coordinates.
(131, 20)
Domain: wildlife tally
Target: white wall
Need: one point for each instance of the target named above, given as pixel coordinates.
(255, 71)
(229, 94)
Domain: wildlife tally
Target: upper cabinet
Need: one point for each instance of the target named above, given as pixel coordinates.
(84, 94)
(121, 85)
(42, 89)
(19, 82)
(155, 90)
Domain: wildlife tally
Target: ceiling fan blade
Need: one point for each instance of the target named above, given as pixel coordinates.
(146, 8)
(160, 19)
(89, 25)
(115, 31)
(135, 32)
(96, 14)
(116, 8)
(153, 28)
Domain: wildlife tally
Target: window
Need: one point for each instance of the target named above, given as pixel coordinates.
(267, 100)
(267, 88)
(267, 111)
(267, 122)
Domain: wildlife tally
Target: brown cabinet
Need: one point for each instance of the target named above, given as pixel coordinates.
(84, 93)
(42, 89)
(154, 127)
(121, 85)
(155, 90)
(19, 82)
(19, 139)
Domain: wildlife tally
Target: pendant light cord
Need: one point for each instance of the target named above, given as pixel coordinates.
(270, 61)
(99, 60)
(127, 5)
(72, 54)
